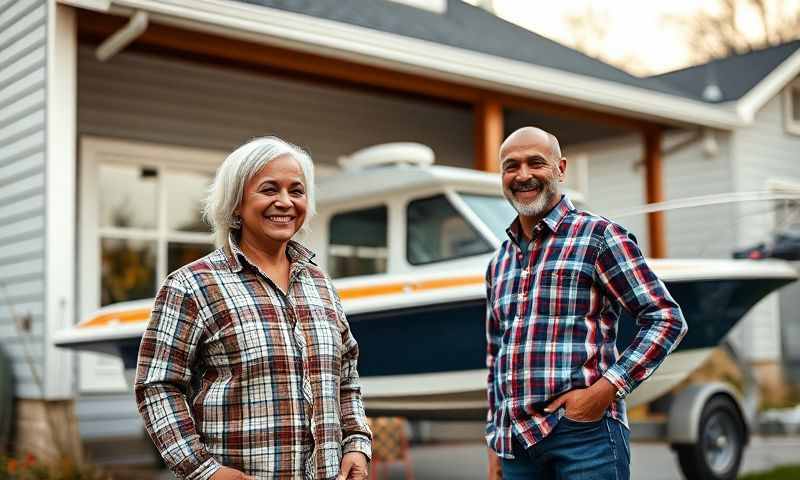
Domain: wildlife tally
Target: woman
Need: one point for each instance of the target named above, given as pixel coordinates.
(248, 368)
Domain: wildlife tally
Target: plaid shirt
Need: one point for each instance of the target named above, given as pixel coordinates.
(234, 372)
(552, 317)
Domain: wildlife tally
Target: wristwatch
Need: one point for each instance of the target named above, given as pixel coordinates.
(620, 394)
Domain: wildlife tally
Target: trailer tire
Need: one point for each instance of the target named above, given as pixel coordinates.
(717, 453)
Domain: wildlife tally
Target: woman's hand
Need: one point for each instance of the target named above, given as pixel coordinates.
(227, 473)
(354, 467)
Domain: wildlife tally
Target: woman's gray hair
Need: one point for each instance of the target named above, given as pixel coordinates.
(239, 167)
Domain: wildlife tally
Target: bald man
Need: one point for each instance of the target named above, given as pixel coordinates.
(555, 292)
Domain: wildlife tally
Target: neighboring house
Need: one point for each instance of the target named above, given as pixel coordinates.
(109, 158)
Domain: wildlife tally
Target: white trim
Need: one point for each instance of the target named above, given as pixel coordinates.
(436, 6)
(60, 181)
(367, 46)
(94, 5)
(767, 88)
(791, 124)
(165, 158)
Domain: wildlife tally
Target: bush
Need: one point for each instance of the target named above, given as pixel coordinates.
(29, 468)
(788, 472)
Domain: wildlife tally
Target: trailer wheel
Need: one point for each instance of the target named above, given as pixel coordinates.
(718, 451)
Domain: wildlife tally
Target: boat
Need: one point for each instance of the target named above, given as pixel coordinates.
(407, 243)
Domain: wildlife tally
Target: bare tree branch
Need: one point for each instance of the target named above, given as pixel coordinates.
(720, 33)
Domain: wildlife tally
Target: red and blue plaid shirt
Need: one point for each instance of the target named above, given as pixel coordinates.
(552, 313)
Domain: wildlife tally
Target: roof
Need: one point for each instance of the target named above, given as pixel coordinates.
(474, 46)
(468, 27)
(735, 75)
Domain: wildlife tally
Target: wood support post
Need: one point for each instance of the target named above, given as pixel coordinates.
(654, 192)
(488, 134)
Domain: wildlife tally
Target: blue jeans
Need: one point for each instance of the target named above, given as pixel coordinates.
(574, 451)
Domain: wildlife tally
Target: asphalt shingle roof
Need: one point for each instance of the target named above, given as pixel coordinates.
(464, 26)
(472, 28)
(735, 75)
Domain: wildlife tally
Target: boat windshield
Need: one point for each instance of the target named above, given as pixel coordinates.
(493, 210)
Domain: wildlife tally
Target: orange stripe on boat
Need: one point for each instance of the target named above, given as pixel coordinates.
(143, 314)
(123, 316)
(402, 287)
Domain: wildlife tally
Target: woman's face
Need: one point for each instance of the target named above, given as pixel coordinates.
(274, 202)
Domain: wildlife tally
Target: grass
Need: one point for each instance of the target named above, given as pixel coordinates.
(786, 472)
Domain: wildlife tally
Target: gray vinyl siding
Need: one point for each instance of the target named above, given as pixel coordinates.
(617, 181)
(23, 33)
(764, 151)
(153, 99)
(701, 232)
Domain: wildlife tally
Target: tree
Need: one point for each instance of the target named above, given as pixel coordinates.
(588, 31)
(738, 26)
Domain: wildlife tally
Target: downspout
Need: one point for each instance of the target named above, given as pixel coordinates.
(122, 37)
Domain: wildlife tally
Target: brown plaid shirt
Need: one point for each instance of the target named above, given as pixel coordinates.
(234, 372)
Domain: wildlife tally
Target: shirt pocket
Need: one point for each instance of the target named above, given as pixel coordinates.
(562, 293)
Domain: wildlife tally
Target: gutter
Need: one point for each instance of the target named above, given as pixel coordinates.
(122, 37)
(348, 42)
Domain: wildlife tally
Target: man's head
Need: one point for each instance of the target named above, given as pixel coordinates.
(531, 166)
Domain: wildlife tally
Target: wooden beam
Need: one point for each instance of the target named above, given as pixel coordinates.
(654, 192)
(488, 134)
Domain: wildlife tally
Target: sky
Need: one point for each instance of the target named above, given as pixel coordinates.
(636, 28)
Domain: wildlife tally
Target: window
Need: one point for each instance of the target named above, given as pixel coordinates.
(358, 243)
(139, 220)
(493, 210)
(791, 109)
(436, 232)
(149, 225)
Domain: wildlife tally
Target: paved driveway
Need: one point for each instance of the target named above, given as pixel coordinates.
(651, 461)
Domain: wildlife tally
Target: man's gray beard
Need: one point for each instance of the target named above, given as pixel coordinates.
(537, 207)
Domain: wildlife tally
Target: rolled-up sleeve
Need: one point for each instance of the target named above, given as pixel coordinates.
(624, 274)
(163, 376)
(356, 435)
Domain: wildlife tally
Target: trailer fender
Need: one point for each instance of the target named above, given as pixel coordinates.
(684, 412)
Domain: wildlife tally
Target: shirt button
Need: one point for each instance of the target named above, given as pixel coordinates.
(525, 273)
(520, 297)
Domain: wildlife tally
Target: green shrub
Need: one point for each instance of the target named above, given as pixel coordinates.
(786, 472)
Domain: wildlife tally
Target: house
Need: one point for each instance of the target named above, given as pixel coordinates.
(115, 113)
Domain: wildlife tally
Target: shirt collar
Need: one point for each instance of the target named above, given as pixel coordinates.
(296, 252)
(552, 220)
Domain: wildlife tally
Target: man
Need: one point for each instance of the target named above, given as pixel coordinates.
(555, 291)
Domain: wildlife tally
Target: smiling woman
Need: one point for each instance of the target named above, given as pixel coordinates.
(247, 368)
